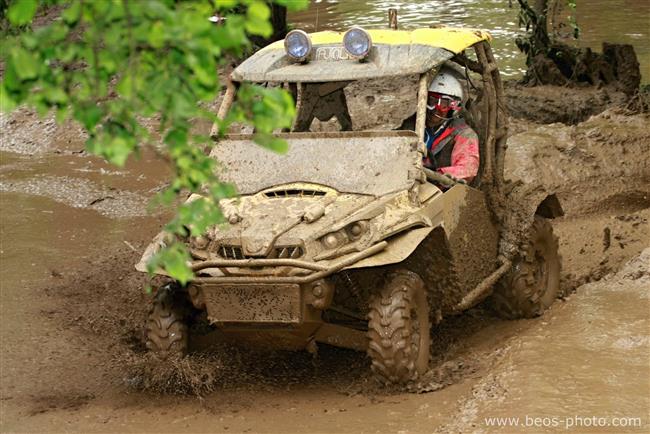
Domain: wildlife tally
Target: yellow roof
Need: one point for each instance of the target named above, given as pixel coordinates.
(449, 38)
(394, 53)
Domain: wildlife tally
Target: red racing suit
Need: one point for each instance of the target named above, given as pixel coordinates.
(453, 149)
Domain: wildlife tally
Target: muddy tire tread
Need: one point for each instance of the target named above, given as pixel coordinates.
(166, 330)
(512, 300)
(390, 334)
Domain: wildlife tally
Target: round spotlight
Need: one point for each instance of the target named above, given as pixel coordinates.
(297, 45)
(331, 240)
(357, 42)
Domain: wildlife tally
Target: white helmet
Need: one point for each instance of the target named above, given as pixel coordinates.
(448, 82)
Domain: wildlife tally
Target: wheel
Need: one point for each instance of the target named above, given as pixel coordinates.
(533, 284)
(399, 329)
(166, 330)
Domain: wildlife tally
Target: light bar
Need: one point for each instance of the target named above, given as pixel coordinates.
(357, 43)
(298, 46)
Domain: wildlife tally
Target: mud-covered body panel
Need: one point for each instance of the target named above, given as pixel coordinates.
(369, 163)
(472, 235)
(451, 258)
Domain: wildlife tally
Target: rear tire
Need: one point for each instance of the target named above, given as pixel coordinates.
(399, 329)
(533, 283)
(166, 330)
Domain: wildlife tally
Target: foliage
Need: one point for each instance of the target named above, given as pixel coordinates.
(108, 64)
(572, 18)
(537, 39)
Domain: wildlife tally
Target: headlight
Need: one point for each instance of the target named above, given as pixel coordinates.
(356, 229)
(357, 42)
(199, 242)
(334, 240)
(351, 232)
(297, 45)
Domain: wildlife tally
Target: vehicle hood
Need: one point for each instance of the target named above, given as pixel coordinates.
(266, 221)
(290, 221)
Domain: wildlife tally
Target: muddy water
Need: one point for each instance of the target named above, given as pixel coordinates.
(599, 361)
(39, 234)
(618, 21)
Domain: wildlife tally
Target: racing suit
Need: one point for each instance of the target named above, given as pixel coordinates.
(452, 149)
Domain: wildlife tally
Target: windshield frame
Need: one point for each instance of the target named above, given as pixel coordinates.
(357, 162)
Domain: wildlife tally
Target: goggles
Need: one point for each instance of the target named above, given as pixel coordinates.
(442, 103)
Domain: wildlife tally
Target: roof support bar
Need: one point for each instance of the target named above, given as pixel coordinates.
(421, 117)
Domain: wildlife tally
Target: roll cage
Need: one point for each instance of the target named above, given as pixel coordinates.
(485, 110)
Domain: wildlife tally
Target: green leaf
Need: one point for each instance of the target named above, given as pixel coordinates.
(257, 19)
(182, 106)
(6, 102)
(41, 107)
(258, 11)
(25, 64)
(107, 61)
(268, 141)
(11, 80)
(225, 4)
(72, 13)
(176, 138)
(199, 215)
(29, 40)
(157, 9)
(174, 260)
(89, 116)
(222, 190)
(118, 150)
(21, 12)
(293, 5)
(204, 68)
(55, 95)
(61, 114)
(156, 35)
(125, 86)
(100, 8)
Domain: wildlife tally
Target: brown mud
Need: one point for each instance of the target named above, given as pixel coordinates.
(73, 307)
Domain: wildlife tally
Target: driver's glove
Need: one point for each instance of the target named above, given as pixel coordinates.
(456, 180)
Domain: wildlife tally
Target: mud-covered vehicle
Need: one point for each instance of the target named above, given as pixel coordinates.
(347, 239)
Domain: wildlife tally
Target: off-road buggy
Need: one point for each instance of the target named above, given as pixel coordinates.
(347, 239)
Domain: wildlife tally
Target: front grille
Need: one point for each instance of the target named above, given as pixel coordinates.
(231, 252)
(278, 252)
(294, 193)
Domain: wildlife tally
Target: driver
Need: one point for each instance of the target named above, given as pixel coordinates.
(452, 145)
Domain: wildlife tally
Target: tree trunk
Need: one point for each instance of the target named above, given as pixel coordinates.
(541, 7)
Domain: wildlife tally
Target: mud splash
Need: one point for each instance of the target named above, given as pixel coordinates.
(583, 165)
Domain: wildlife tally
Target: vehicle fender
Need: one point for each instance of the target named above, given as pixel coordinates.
(550, 207)
(399, 248)
(158, 242)
(524, 202)
(154, 247)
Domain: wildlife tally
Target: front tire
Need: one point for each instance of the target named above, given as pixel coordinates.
(166, 330)
(533, 283)
(399, 329)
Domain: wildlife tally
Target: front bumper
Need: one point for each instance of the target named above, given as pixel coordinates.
(310, 271)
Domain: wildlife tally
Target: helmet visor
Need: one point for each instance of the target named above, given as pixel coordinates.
(440, 102)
